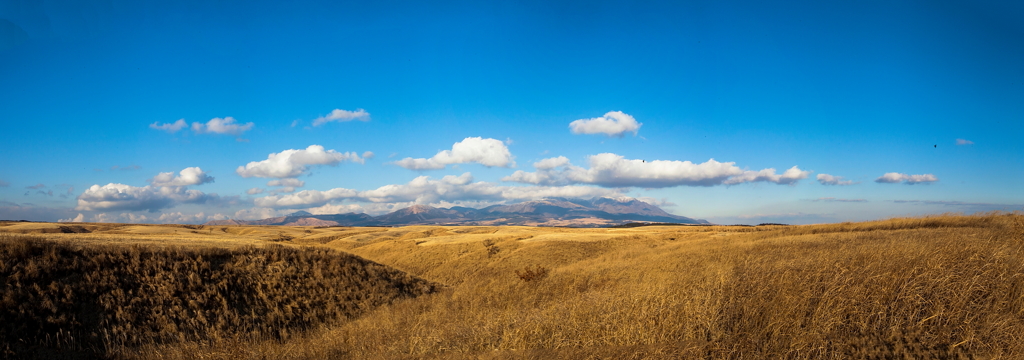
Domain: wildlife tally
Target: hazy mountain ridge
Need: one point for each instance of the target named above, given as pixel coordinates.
(546, 212)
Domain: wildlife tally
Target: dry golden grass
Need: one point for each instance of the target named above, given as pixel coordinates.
(934, 287)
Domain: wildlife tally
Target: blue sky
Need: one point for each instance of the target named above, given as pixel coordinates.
(917, 107)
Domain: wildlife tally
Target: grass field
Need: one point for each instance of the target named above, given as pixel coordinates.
(934, 287)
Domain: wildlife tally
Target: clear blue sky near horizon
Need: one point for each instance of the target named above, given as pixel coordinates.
(884, 108)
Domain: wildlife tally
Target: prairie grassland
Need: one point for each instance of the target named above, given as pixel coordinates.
(934, 287)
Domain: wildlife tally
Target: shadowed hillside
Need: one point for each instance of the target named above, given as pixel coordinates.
(74, 300)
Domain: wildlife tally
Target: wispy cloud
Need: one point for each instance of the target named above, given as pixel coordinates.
(832, 199)
(169, 127)
(952, 203)
(486, 152)
(36, 186)
(964, 142)
(826, 179)
(225, 125)
(339, 115)
(613, 123)
(893, 178)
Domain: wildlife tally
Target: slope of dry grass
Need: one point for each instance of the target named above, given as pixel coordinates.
(935, 287)
(61, 298)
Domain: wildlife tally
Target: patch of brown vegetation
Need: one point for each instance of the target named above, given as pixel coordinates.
(101, 300)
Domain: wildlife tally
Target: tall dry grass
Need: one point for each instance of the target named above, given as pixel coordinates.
(942, 287)
(945, 287)
(61, 299)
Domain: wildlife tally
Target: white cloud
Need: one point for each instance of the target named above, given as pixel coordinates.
(551, 163)
(79, 218)
(283, 190)
(304, 197)
(113, 197)
(169, 127)
(368, 155)
(826, 179)
(964, 142)
(789, 177)
(120, 218)
(287, 182)
(342, 115)
(613, 123)
(893, 177)
(291, 163)
(259, 213)
(424, 190)
(611, 170)
(254, 191)
(186, 177)
(487, 152)
(330, 209)
(180, 218)
(226, 125)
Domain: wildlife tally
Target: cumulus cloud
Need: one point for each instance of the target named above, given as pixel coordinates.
(613, 123)
(424, 190)
(169, 127)
(893, 178)
(186, 177)
(254, 191)
(826, 179)
(292, 182)
(291, 163)
(487, 152)
(226, 125)
(611, 170)
(964, 142)
(165, 191)
(113, 197)
(342, 115)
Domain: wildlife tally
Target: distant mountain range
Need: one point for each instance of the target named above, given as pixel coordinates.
(595, 212)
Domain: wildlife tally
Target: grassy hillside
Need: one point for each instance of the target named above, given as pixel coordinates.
(934, 287)
(64, 299)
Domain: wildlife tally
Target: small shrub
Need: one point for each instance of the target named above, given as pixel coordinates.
(530, 274)
(492, 247)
